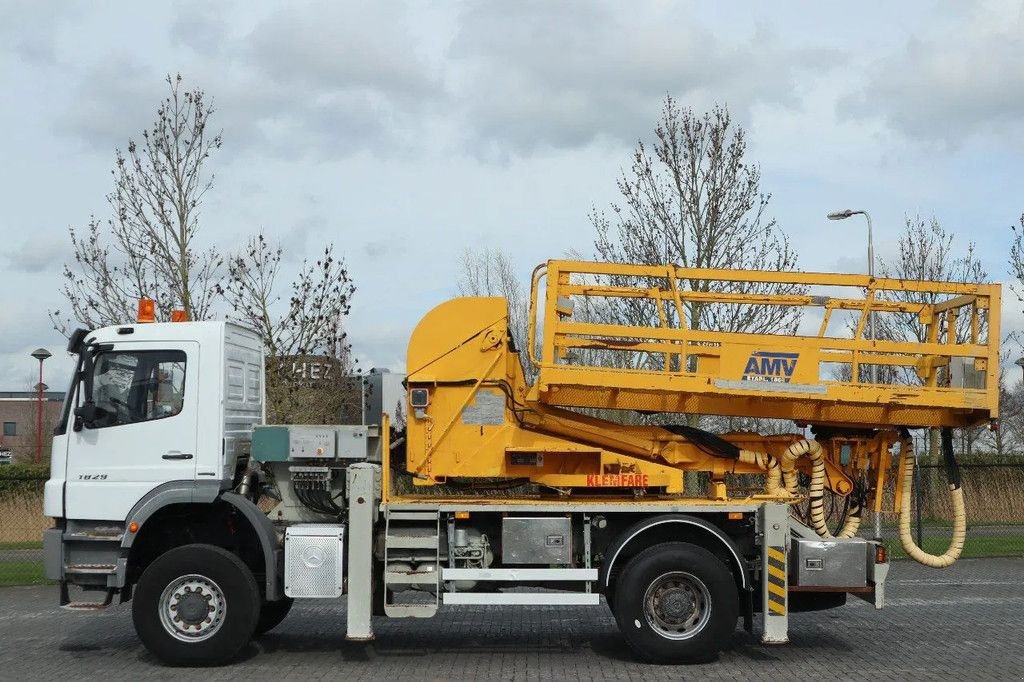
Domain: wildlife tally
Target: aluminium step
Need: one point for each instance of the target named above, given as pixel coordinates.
(86, 606)
(97, 535)
(90, 569)
(66, 603)
(522, 598)
(412, 542)
(412, 578)
(412, 516)
(519, 574)
(410, 610)
(423, 534)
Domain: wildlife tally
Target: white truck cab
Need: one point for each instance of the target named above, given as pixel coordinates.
(152, 441)
(153, 405)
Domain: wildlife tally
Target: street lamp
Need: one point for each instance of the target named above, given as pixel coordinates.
(843, 215)
(40, 354)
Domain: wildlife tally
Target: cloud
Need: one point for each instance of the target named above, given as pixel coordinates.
(30, 30)
(375, 250)
(327, 81)
(319, 81)
(561, 75)
(115, 100)
(330, 80)
(36, 254)
(26, 327)
(960, 79)
(200, 26)
(338, 47)
(295, 238)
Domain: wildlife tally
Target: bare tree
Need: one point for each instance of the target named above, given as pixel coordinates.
(927, 253)
(149, 248)
(399, 420)
(694, 200)
(1017, 257)
(1009, 433)
(309, 360)
(490, 273)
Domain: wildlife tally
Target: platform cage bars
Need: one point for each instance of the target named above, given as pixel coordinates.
(751, 343)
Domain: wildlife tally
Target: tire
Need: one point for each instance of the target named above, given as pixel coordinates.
(676, 603)
(271, 615)
(196, 605)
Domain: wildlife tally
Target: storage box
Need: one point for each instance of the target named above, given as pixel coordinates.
(536, 540)
(840, 563)
(314, 560)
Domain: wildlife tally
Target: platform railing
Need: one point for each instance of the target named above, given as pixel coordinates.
(634, 337)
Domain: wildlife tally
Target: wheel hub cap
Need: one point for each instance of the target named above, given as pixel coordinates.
(677, 605)
(192, 608)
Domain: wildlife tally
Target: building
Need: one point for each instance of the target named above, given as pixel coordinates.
(383, 392)
(18, 410)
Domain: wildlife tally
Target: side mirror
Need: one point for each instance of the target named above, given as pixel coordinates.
(76, 342)
(88, 414)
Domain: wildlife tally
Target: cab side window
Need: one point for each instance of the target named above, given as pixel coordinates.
(137, 386)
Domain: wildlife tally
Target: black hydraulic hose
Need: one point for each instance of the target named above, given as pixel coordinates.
(956, 493)
(952, 468)
(705, 440)
(308, 499)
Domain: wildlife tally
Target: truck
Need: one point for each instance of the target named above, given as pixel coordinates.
(616, 475)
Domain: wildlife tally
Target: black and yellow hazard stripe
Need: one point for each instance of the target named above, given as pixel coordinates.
(775, 581)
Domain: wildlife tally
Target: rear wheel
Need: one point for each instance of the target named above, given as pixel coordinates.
(196, 605)
(676, 603)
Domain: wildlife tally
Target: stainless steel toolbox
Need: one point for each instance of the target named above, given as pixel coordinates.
(313, 560)
(840, 563)
(543, 540)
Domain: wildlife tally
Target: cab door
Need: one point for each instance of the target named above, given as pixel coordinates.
(144, 432)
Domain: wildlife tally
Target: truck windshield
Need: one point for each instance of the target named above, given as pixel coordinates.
(134, 386)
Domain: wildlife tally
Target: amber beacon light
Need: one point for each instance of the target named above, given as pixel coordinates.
(147, 310)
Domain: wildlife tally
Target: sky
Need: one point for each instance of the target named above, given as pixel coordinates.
(406, 132)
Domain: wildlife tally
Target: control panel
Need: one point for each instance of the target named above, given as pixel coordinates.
(311, 443)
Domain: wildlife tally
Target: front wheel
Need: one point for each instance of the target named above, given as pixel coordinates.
(196, 605)
(676, 603)
(271, 614)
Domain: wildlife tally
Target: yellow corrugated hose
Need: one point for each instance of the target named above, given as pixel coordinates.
(781, 477)
(784, 472)
(956, 543)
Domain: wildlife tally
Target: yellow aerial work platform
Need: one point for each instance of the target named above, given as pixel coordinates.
(608, 341)
(622, 337)
(616, 338)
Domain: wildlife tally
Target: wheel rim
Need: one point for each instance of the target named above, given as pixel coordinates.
(677, 605)
(192, 608)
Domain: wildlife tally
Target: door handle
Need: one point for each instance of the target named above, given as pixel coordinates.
(177, 455)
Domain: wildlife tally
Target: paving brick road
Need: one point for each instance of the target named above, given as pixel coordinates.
(964, 622)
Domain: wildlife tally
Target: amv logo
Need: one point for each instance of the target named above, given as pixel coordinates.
(769, 366)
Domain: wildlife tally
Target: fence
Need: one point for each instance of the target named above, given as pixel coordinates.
(994, 494)
(21, 524)
(994, 497)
